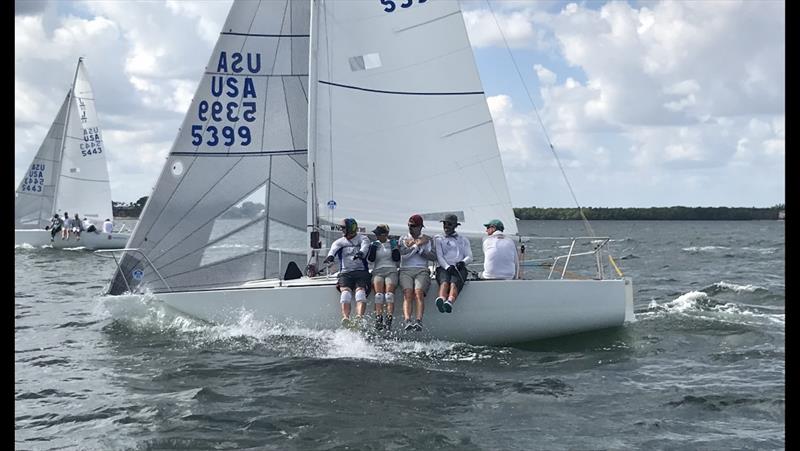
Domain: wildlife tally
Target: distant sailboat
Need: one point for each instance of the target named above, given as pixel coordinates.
(305, 105)
(68, 174)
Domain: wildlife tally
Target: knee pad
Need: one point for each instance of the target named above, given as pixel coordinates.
(379, 298)
(346, 297)
(361, 296)
(389, 298)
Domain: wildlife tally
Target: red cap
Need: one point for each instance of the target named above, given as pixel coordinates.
(416, 220)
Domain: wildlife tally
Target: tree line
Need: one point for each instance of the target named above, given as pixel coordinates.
(252, 210)
(653, 213)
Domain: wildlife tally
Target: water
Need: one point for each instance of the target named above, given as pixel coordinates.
(702, 368)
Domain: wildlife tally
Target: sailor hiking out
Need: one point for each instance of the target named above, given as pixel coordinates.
(416, 251)
(454, 254)
(351, 251)
(385, 256)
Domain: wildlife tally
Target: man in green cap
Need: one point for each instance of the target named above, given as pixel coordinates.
(500, 258)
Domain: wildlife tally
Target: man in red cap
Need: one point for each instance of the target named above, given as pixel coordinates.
(416, 250)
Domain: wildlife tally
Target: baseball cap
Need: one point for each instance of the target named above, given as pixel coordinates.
(451, 218)
(496, 223)
(415, 220)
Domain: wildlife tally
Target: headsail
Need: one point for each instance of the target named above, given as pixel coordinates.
(69, 172)
(402, 124)
(35, 194)
(244, 139)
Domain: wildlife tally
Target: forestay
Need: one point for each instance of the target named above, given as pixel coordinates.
(400, 117)
(244, 139)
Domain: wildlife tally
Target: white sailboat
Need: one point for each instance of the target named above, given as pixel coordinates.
(322, 110)
(68, 174)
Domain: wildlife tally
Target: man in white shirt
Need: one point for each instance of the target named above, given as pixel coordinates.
(108, 227)
(501, 260)
(454, 254)
(351, 250)
(416, 250)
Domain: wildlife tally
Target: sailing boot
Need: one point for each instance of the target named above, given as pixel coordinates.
(388, 324)
(409, 325)
(448, 306)
(418, 325)
(378, 322)
(440, 304)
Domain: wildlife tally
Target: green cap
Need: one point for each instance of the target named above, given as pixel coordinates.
(496, 223)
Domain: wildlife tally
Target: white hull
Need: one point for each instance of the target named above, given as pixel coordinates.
(486, 312)
(89, 240)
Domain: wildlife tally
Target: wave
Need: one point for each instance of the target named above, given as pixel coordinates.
(727, 286)
(704, 248)
(149, 316)
(699, 303)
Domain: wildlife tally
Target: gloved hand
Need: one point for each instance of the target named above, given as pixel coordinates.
(451, 269)
(393, 243)
(358, 255)
(328, 259)
(375, 243)
(461, 266)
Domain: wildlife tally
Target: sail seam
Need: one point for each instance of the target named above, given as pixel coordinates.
(83, 180)
(407, 93)
(429, 21)
(256, 35)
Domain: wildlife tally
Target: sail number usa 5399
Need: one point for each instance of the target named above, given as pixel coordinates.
(226, 115)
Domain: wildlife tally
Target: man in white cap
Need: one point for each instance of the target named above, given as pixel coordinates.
(500, 258)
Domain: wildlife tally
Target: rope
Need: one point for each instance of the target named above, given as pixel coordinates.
(541, 123)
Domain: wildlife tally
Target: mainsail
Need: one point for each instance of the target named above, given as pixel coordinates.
(69, 172)
(244, 139)
(401, 120)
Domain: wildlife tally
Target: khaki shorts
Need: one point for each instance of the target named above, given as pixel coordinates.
(416, 278)
(387, 276)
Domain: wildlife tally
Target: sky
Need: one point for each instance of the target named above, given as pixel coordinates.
(650, 103)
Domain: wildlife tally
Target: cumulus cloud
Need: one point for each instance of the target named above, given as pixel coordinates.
(144, 60)
(643, 101)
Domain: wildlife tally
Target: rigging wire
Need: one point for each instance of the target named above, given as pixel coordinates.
(541, 123)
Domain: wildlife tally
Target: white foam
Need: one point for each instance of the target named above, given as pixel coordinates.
(146, 314)
(704, 248)
(738, 288)
(24, 246)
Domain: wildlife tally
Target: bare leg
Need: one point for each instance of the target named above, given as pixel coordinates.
(444, 289)
(408, 296)
(346, 305)
(420, 303)
(453, 293)
(361, 307)
(390, 305)
(377, 286)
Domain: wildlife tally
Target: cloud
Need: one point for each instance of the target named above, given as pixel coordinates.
(144, 60)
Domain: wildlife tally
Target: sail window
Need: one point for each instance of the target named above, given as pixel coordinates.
(177, 168)
(365, 62)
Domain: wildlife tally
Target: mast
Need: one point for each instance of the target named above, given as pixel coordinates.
(312, 207)
(64, 136)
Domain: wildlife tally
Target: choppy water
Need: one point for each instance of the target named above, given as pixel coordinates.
(703, 368)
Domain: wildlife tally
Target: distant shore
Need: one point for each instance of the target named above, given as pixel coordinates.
(654, 213)
(251, 210)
